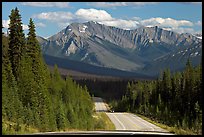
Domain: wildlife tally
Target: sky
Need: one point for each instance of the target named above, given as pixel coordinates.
(52, 17)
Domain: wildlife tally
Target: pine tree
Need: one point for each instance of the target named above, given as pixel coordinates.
(6, 64)
(188, 73)
(71, 116)
(33, 47)
(166, 86)
(16, 40)
(61, 117)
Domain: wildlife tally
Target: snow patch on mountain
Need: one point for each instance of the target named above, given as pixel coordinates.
(82, 29)
(151, 41)
(199, 36)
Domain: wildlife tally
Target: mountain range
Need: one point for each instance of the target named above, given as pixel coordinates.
(145, 50)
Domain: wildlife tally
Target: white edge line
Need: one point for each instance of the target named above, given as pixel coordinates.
(149, 124)
(119, 121)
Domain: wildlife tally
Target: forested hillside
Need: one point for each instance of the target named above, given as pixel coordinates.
(173, 99)
(32, 97)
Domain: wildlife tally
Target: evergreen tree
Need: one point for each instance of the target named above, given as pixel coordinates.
(33, 46)
(6, 64)
(16, 40)
(61, 117)
(166, 86)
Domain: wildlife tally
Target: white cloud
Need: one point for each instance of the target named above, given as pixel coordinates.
(104, 18)
(166, 22)
(46, 4)
(120, 23)
(59, 16)
(119, 4)
(5, 24)
(40, 24)
(93, 14)
(179, 26)
(136, 18)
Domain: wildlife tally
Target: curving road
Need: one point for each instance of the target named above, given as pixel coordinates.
(126, 121)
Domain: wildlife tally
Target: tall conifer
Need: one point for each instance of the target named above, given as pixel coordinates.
(16, 40)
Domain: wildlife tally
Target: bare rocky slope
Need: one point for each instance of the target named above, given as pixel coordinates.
(146, 50)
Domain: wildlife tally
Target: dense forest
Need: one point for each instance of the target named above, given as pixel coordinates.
(173, 99)
(104, 88)
(31, 94)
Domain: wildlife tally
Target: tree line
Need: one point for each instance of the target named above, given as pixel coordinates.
(173, 99)
(107, 89)
(31, 94)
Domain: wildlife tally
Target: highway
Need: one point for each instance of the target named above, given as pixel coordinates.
(126, 121)
(99, 105)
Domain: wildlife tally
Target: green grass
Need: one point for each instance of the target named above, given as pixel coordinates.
(102, 122)
(11, 128)
(174, 130)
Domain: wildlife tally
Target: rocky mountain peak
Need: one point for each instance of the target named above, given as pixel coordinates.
(113, 47)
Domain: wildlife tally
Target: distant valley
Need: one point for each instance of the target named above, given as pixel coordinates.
(80, 70)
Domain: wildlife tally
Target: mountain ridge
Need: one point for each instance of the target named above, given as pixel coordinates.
(111, 47)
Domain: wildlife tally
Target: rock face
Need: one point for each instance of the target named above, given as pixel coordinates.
(130, 50)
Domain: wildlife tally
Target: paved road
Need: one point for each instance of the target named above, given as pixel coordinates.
(126, 121)
(99, 105)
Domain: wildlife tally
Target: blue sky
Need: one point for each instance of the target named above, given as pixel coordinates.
(52, 17)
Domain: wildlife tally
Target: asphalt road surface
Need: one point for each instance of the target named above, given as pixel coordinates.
(99, 105)
(126, 121)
